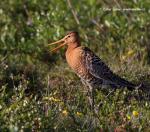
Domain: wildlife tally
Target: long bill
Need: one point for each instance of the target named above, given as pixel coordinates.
(55, 49)
(57, 42)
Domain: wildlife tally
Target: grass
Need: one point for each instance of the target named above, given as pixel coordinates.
(39, 92)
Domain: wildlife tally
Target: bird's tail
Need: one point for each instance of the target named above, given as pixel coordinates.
(131, 86)
(124, 83)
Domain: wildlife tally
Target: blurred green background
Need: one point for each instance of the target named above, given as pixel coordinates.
(39, 92)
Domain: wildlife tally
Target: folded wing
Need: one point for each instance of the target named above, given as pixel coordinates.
(100, 70)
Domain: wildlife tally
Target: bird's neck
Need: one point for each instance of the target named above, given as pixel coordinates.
(74, 45)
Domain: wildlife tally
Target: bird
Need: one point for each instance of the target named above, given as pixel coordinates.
(90, 68)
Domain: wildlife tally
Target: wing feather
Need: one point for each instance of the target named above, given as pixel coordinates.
(100, 70)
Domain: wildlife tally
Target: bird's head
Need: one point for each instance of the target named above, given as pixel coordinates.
(71, 39)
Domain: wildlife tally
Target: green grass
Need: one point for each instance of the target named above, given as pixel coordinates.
(38, 90)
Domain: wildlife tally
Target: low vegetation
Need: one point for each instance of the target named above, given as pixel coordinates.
(39, 92)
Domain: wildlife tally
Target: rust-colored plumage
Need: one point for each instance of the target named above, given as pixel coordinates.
(89, 67)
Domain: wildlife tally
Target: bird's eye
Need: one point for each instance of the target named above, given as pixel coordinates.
(68, 36)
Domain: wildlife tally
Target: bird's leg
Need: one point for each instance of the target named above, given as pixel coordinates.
(91, 98)
(90, 94)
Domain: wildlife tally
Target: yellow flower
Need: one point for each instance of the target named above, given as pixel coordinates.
(79, 114)
(65, 112)
(128, 117)
(135, 113)
(130, 53)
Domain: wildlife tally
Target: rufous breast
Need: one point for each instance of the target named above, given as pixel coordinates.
(75, 59)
